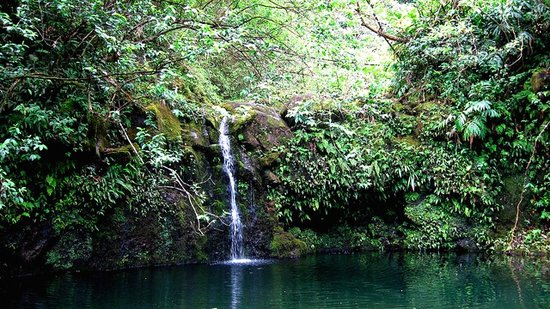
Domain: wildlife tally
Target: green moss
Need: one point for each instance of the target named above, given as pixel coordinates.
(167, 123)
(180, 213)
(201, 255)
(192, 134)
(400, 107)
(409, 140)
(377, 236)
(269, 158)
(427, 106)
(274, 122)
(242, 120)
(511, 193)
(406, 124)
(431, 111)
(125, 150)
(434, 226)
(197, 164)
(97, 138)
(285, 245)
(228, 106)
(540, 80)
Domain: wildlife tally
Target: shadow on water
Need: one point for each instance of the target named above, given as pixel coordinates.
(372, 280)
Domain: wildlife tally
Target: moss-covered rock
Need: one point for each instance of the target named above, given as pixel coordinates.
(163, 235)
(271, 177)
(428, 116)
(540, 80)
(260, 127)
(123, 152)
(195, 135)
(285, 245)
(437, 227)
(267, 159)
(167, 123)
(409, 140)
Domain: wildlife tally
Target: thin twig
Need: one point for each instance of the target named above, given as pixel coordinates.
(130, 142)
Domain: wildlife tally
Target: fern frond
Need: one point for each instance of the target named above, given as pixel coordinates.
(477, 106)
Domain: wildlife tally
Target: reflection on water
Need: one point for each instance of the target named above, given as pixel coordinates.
(353, 281)
(236, 281)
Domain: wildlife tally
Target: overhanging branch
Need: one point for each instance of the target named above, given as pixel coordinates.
(378, 30)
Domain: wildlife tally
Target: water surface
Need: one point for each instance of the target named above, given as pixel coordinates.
(373, 280)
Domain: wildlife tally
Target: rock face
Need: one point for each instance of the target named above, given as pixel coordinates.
(262, 128)
(259, 130)
(167, 233)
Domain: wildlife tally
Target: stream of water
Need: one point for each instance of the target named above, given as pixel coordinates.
(237, 252)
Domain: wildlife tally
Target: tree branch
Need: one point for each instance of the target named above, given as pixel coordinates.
(378, 31)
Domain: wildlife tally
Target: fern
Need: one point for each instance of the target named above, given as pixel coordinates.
(472, 122)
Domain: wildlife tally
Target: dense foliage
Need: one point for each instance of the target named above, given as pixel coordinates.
(430, 131)
(469, 115)
(85, 83)
(485, 62)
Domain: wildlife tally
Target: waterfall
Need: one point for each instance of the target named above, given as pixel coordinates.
(229, 169)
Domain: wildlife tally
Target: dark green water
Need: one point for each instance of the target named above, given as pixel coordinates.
(326, 281)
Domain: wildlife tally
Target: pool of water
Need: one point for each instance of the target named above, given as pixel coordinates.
(373, 280)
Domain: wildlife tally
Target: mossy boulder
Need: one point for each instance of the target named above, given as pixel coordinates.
(428, 115)
(267, 160)
(97, 133)
(409, 140)
(259, 127)
(285, 245)
(167, 123)
(162, 235)
(71, 251)
(540, 80)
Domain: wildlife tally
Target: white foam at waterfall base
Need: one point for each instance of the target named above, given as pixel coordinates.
(240, 261)
(245, 262)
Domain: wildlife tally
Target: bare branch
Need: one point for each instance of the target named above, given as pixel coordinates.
(378, 31)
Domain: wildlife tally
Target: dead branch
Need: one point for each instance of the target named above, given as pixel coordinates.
(378, 31)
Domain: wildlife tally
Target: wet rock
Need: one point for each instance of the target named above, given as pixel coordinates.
(467, 244)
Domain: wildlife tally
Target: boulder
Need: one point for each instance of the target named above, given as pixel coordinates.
(259, 127)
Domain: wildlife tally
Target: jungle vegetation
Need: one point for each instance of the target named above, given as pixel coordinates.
(416, 124)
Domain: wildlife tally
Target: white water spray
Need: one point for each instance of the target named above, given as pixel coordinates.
(229, 169)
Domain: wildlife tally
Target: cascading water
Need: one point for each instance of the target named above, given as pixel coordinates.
(237, 253)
